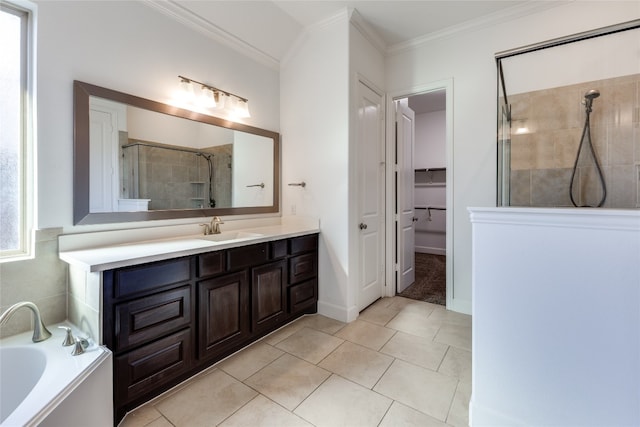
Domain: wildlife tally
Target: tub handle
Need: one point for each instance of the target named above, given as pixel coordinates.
(68, 338)
(81, 345)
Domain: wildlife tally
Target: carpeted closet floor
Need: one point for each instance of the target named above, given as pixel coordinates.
(431, 279)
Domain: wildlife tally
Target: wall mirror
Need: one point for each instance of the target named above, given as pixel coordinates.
(138, 160)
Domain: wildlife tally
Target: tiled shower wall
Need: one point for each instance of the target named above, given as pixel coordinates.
(542, 159)
(179, 180)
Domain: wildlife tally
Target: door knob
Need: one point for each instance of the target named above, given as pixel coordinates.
(415, 219)
(363, 226)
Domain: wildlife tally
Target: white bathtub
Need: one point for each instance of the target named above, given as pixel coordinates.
(43, 384)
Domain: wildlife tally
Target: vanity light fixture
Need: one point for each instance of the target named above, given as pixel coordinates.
(212, 97)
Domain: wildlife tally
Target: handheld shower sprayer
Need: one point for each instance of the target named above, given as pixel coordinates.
(589, 97)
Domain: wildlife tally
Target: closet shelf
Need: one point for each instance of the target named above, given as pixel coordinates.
(431, 170)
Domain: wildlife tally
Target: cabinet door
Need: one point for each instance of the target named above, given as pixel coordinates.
(268, 295)
(222, 313)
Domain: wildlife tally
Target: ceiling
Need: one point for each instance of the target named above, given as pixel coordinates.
(270, 28)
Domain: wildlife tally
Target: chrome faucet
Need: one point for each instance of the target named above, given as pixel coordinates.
(40, 332)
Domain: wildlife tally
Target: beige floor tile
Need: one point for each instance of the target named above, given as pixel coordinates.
(422, 389)
(262, 412)
(159, 422)
(310, 345)
(398, 303)
(420, 307)
(356, 363)
(366, 334)
(206, 401)
(322, 323)
(457, 336)
(338, 402)
(443, 315)
(250, 360)
(285, 332)
(141, 416)
(459, 411)
(417, 350)
(378, 314)
(457, 363)
(414, 323)
(400, 415)
(287, 380)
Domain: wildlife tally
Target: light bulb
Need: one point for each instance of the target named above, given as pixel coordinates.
(207, 98)
(186, 90)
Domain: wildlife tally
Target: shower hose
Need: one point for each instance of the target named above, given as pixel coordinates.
(586, 136)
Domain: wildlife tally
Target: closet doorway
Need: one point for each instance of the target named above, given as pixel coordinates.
(422, 246)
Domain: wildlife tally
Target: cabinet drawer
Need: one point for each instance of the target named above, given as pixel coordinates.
(301, 244)
(302, 267)
(129, 281)
(303, 296)
(278, 249)
(147, 318)
(139, 371)
(211, 263)
(246, 256)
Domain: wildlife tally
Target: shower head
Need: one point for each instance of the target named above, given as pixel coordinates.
(592, 94)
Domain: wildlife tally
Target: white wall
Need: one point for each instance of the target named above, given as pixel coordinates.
(556, 323)
(315, 124)
(252, 165)
(430, 152)
(468, 58)
(131, 48)
(431, 142)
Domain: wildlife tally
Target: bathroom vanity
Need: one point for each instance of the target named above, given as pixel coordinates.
(167, 316)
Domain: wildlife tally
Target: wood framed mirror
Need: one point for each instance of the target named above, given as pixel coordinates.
(139, 160)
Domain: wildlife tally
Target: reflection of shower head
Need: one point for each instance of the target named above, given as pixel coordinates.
(592, 94)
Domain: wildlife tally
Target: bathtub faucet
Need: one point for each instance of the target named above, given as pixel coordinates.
(40, 332)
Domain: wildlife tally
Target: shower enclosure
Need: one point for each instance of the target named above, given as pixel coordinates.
(569, 121)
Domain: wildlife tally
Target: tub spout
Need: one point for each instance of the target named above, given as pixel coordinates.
(40, 332)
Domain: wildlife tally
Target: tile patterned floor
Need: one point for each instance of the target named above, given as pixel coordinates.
(402, 363)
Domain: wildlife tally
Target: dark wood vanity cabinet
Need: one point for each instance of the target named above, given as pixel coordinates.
(167, 320)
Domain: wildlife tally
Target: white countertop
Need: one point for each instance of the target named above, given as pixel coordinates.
(100, 258)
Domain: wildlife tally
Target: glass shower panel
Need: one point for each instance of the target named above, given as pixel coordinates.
(504, 143)
(543, 99)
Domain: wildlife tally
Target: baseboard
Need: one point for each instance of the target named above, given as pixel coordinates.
(459, 305)
(430, 250)
(336, 312)
(482, 416)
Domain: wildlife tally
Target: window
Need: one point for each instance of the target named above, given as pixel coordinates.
(16, 136)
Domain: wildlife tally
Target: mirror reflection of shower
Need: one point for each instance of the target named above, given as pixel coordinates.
(207, 157)
(586, 143)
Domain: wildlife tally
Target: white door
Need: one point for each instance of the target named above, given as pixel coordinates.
(405, 138)
(370, 167)
(103, 179)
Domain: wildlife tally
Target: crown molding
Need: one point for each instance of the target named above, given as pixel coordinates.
(341, 16)
(511, 13)
(367, 31)
(195, 22)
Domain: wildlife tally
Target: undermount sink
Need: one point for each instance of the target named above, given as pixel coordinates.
(231, 235)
